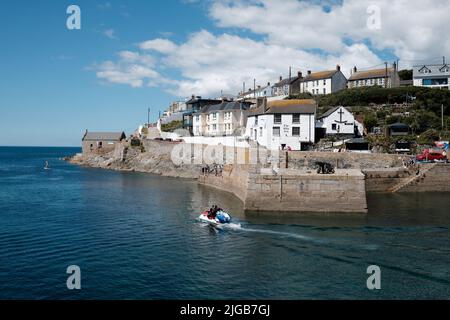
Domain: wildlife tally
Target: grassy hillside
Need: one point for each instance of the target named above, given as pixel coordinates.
(423, 98)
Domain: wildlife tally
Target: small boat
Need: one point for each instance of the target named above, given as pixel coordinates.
(46, 166)
(222, 217)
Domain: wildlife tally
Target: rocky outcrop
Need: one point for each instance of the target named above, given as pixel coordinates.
(152, 157)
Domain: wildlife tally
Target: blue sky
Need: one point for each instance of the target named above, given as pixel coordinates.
(48, 95)
(134, 54)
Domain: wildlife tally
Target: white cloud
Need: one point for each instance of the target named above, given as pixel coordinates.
(210, 64)
(413, 29)
(109, 33)
(301, 34)
(159, 45)
(133, 69)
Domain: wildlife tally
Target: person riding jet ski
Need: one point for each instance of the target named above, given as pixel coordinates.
(212, 213)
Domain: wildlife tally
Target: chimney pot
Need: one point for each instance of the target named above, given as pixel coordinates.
(309, 72)
(299, 74)
(281, 78)
(355, 69)
(268, 84)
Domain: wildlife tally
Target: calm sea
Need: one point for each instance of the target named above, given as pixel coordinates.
(135, 236)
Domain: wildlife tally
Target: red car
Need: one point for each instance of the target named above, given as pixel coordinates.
(432, 155)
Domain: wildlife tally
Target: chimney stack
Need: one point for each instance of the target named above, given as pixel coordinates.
(299, 74)
(309, 72)
(281, 78)
(355, 70)
(268, 84)
(338, 68)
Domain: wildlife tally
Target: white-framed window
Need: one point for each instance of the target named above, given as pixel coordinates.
(260, 132)
(296, 131)
(214, 127)
(277, 118)
(296, 118)
(324, 91)
(276, 131)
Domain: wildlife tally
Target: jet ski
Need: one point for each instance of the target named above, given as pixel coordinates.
(222, 217)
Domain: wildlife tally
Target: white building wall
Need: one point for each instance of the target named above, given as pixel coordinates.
(333, 124)
(315, 87)
(262, 131)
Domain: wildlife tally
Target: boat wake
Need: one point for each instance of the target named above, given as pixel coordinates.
(238, 227)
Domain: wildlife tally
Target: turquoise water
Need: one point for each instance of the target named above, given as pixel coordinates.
(135, 236)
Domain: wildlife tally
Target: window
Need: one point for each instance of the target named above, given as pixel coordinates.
(277, 118)
(434, 82)
(324, 82)
(296, 118)
(333, 126)
(214, 127)
(295, 131)
(324, 91)
(256, 120)
(260, 132)
(276, 131)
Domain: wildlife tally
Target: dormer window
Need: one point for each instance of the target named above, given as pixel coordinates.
(444, 68)
(424, 69)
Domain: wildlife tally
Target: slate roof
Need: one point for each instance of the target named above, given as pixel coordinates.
(104, 136)
(300, 106)
(285, 82)
(320, 75)
(233, 105)
(370, 74)
(329, 112)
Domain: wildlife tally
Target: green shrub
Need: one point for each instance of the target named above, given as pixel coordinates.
(172, 126)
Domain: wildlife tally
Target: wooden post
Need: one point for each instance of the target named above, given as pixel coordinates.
(286, 161)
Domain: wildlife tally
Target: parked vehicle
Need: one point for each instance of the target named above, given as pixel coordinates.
(432, 155)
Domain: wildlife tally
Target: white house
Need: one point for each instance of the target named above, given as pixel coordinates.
(224, 119)
(432, 76)
(339, 121)
(323, 82)
(259, 92)
(283, 124)
(385, 77)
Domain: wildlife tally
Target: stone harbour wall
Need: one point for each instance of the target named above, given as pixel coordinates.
(293, 193)
(436, 179)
